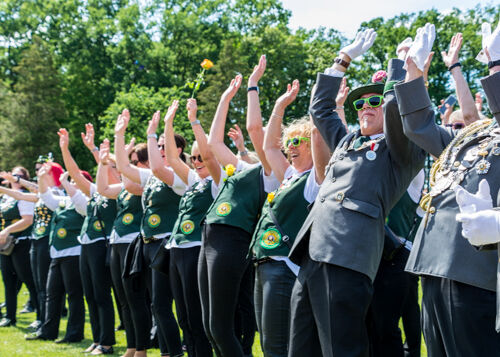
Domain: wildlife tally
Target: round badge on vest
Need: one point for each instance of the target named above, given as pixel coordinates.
(223, 209)
(127, 218)
(270, 239)
(187, 227)
(61, 233)
(154, 220)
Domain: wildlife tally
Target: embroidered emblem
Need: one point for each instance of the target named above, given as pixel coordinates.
(224, 209)
(97, 226)
(187, 227)
(482, 167)
(40, 230)
(127, 218)
(61, 233)
(270, 239)
(154, 221)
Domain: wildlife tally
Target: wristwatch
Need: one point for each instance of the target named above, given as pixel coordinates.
(249, 89)
(152, 136)
(492, 64)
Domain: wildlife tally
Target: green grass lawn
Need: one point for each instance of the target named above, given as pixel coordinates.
(12, 342)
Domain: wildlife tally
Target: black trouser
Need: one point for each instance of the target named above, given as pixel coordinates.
(17, 267)
(222, 265)
(245, 324)
(329, 307)
(184, 281)
(411, 320)
(273, 289)
(458, 320)
(40, 262)
(391, 290)
(96, 280)
(158, 285)
(116, 264)
(64, 278)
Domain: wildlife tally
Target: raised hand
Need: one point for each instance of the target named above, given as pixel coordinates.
(258, 71)
(88, 137)
(403, 48)
(44, 171)
(421, 47)
(451, 57)
(491, 44)
(153, 123)
(291, 93)
(445, 118)
(104, 152)
(64, 178)
(63, 138)
(122, 122)
(8, 176)
(192, 109)
(233, 88)
(362, 43)
(172, 109)
(236, 135)
(342, 94)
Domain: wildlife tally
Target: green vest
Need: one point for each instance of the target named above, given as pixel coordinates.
(161, 206)
(129, 213)
(65, 227)
(403, 219)
(41, 221)
(9, 214)
(192, 209)
(100, 211)
(239, 201)
(290, 210)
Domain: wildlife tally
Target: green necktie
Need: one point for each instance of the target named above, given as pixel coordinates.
(360, 141)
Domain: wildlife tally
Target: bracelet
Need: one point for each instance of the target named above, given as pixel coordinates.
(249, 89)
(243, 153)
(196, 122)
(116, 136)
(492, 64)
(276, 115)
(340, 61)
(104, 163)
(95, 149)
(340, 107)
(458, 64)
(152, 136)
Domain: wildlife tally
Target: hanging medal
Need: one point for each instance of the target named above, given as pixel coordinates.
(371, 154)
(496, 150)
(483, 166)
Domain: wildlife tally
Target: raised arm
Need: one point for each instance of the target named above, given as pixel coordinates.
(491, 83)
(236, 135)
(254, 116)
(272, 141)
(171, 151)
(340, 100)
(103, 187)
(216, 138)
(122, 160)
(88, 141)
(71, 166)
(464, 95)
(18, 195)
(25, 183)
(156, 162)
(320, 154)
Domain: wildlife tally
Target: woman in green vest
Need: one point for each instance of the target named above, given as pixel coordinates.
(162, 190)
(126, 228)
(64, 273)
(99, 214)
(185, 242)
(16, 220)
(39, 252)
(301, 172)
(230, 222)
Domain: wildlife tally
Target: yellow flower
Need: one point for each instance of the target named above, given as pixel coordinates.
(270, 197)
(230, 169)
(206, 64)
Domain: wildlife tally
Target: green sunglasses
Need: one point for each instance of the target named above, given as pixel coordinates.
(373, 101)
(296, 141)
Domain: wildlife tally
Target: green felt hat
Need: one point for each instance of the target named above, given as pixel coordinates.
(376, 85)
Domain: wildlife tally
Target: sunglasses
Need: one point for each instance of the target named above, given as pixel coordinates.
(161, 147)
(455, 125)
(296, 141)
(374, 101)
(196, 157)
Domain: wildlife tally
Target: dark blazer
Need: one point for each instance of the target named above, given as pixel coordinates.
(346, 224)
(439, 248)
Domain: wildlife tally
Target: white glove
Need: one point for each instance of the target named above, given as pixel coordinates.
(405, 45)
(422, 46)
(490, 41)
(362, 43)
(469, 203)
(482, 227)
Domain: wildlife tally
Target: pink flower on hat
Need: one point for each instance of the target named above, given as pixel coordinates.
(379, 77)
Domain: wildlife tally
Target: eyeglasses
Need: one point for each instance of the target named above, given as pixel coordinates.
(455, 125)
(296, 141)
(196, 157)
(374, 101)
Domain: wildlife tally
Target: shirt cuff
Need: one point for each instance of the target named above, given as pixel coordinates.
(334, 72)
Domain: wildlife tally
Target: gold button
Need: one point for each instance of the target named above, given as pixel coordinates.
(432, 210)
(456, 163)
(339, 196)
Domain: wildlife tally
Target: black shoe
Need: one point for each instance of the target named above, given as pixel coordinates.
(66, 340)
(35, 325)
(101, 350)
(27, 309)
(5, 322)
(34, 336)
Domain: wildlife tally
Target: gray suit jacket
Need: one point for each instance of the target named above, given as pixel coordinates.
(439, 248)
(346, 224)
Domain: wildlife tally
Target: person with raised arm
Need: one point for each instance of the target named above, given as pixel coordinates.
(458, 280)
(301, 172)
(162, 190)
(234, 213)
(236, 136)
(126, 228)
(64, 273)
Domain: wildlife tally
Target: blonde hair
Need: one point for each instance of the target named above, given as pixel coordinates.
(299, 127)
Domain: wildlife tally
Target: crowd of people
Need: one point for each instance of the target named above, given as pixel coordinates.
(316, 239)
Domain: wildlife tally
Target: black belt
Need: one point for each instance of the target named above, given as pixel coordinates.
(148, 240)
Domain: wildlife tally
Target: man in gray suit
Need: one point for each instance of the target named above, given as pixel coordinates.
(458, 280)
(340, 244)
